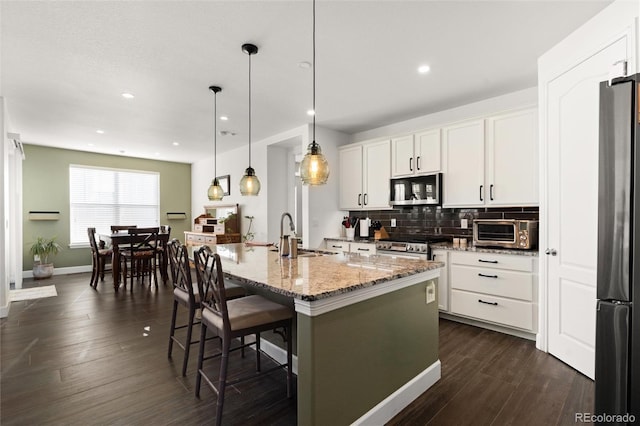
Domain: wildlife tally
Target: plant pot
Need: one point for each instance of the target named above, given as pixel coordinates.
(42, 271)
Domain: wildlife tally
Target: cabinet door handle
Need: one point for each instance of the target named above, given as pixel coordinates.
(335, 246)
(433, 257)
(411, 164)
(363, 249)
(359, 199)
(418, 163)
(487, 261)
(481, 192)
(487, 276)
(366, 196)
(488, 303)
(491, 192)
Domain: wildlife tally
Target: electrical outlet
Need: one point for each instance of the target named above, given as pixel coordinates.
(393, 223)
(431, 292)
(464, 223)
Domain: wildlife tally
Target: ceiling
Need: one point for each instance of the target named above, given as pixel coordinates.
(65, 65)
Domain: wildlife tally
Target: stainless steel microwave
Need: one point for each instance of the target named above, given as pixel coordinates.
(506, 233)
(416, 190)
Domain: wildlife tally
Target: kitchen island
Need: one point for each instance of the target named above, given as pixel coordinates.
(366, 340)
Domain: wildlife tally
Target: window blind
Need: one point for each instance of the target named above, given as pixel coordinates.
(101, 197)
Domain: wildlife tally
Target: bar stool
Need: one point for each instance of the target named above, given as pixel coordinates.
(232, 319)
(186, 293)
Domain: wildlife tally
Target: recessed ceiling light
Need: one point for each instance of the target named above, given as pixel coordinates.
(90, 144)
(423, 69)
(311, 112)
(128, 95)
(100, 132)
(157, 154)
(176, 143)
(121, 151)
(304, 64)
(224, 118)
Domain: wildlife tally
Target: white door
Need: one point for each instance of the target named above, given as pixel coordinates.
(464, 164)
(350, 166)
(572, 197)
(403, 162)
(377, 173)
(427, 152)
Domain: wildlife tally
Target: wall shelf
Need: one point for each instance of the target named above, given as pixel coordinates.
(44, 215)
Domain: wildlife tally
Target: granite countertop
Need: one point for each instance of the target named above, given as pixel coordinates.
(471, 248)
(356, 240)
(315, 277)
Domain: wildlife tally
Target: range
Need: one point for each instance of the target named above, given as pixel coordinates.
(410, 247)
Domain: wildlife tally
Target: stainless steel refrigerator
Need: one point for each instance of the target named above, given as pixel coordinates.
(617, 372)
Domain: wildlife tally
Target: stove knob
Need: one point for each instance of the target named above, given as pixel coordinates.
(410, 248)
(423, 248)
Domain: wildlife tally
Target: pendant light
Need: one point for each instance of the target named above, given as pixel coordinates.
(215, 192)
(249, 184)
(314, 169)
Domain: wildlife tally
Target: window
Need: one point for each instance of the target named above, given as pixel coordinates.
(101, 197)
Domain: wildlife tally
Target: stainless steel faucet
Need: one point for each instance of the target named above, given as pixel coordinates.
(284, 239)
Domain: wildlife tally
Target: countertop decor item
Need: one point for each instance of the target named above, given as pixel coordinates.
(249, 184)
(314, 169)
(215, 192)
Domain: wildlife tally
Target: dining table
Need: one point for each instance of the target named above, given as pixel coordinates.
(122, 238)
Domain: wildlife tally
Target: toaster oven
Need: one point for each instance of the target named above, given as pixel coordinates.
(506, 233)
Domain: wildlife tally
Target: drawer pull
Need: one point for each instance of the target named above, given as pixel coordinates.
(363, 249)
(487, 276)
(335, 246)
(487, 261)
(488, 303)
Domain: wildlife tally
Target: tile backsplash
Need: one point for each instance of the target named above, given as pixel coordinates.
(418, 221)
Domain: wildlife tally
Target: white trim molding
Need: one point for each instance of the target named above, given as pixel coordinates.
(401, 398)
(322, 306)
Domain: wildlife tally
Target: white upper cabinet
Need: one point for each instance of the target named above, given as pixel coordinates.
(464, 164)
(416, 154)
(365, 171)
(512, 159)
(492, 162)
(351, 177)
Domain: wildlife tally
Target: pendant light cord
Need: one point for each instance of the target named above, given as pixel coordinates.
(215, 134)
(249, 110)
(314, 71)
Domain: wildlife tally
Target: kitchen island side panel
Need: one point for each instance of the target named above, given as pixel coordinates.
(352, 358)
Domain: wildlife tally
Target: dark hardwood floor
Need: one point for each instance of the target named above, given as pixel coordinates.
(99, 357)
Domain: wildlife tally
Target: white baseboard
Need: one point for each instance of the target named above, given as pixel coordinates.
(400, 399)
(4, 310)
(489, 326)
(62, 271)
(277, 353)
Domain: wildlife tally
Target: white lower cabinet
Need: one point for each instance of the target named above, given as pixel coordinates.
(496, 288)
(443, 279)
(336, 246)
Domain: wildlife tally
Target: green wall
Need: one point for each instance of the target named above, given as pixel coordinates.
(45, 186)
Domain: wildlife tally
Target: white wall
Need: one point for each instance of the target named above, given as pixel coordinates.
(277, 160)
(521, 98)
(4, 217)
(321, 216)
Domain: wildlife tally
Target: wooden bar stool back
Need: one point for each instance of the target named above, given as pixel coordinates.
(139, 260)
(233, 319)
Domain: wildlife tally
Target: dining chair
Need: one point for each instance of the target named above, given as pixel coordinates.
(187, 294)
(232, 319)
(99, 257)
(139, 259)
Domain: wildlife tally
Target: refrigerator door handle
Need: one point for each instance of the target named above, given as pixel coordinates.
(551, 252)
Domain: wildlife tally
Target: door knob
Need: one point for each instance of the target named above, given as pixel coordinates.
(551, 252)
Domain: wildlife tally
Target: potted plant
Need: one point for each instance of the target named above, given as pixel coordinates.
(41, 250)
